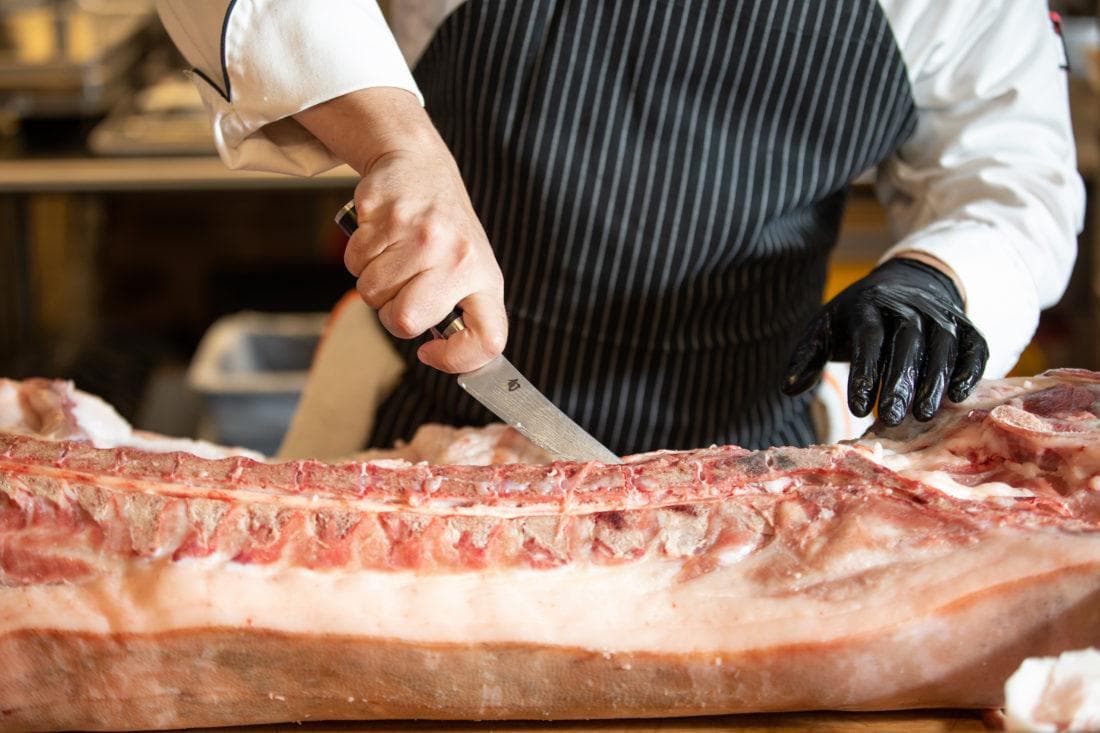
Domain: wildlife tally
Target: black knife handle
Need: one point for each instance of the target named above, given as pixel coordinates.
(347, 220)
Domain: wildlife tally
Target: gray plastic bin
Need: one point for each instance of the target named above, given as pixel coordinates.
(250, 369)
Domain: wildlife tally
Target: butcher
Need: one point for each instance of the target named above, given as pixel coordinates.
(636, 201)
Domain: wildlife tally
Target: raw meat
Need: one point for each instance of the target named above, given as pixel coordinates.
(915, 568)
(442, 444)
(56, 410)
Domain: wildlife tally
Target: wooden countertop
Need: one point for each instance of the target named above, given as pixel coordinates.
(909, 721)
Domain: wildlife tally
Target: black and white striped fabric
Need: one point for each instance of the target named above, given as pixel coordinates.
(662, 183)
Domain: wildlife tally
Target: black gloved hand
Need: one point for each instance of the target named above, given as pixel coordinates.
(903, 329)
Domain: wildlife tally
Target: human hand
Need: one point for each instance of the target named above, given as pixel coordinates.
(903, 329)
(419, 249)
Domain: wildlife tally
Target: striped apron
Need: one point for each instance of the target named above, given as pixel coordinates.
(662, 183)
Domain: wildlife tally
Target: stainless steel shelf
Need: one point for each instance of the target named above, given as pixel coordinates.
(74, 175)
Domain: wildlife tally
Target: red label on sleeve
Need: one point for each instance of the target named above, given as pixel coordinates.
(1056, 22)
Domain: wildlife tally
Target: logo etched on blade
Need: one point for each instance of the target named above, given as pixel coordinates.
(513, 385)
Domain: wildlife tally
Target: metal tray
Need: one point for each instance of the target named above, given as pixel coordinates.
(64, 59)
(165, 118)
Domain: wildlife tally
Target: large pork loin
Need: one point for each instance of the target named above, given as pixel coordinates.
(914, 568)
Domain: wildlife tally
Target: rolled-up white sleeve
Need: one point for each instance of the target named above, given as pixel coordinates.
(988, 182)
(258, 62)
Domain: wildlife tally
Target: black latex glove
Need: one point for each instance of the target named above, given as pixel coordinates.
(903, 329)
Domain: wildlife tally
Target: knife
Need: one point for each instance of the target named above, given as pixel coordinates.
(501, 388)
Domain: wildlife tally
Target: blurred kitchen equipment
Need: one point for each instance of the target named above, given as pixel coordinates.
(68, 58)
(165, 118)
(250, 369)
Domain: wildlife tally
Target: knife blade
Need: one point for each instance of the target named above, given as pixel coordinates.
(505, 392)
(500, 387)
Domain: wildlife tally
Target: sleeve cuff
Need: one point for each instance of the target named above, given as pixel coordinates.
(284, 56)
(1001, 300)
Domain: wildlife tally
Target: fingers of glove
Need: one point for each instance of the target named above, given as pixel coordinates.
(866, 357)
(970, 363)
(899, 379)
(939, 362)
(483, 339)
(810, 355)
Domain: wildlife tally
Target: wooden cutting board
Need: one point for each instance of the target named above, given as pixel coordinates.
(911, 721)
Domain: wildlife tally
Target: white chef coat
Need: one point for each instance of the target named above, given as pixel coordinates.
(987, 184)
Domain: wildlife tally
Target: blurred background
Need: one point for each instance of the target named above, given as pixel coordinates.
(134, 263)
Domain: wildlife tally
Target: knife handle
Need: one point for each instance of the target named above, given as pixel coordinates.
(347, 220)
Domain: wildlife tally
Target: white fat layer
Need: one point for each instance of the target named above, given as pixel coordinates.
(11, 412)
(632, 607)
(948, 485)
(736, 554)
(1055, 693)
(104, 427)
(777, 485)
(927, 465)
